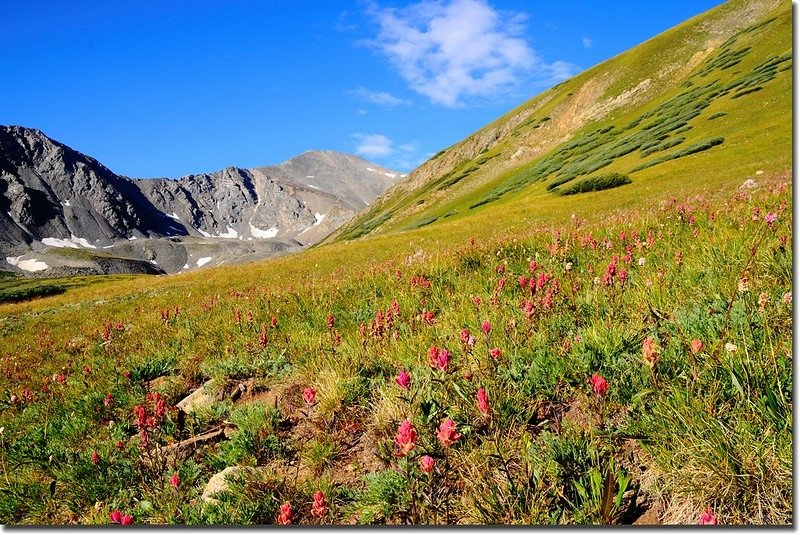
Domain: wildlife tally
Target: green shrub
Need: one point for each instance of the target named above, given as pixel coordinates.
(597, 183)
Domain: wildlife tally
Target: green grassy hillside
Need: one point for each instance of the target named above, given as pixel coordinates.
(575, 355)
(707, 97)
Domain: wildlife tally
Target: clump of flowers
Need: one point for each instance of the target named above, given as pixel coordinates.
(120, 518)
(708, 518)
(482, 402)
(403, 380)
(439, 359)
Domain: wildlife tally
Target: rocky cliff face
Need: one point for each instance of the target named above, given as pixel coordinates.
(53, 196)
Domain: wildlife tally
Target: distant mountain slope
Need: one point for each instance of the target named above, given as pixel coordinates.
(708, 100)
(53, 196)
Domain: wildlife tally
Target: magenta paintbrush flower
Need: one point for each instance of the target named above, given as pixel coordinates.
(599, 385)
(406, 438)
(403, 379)
(483, 402)
(448, 435)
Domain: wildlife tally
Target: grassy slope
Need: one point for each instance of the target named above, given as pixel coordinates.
(732, 451)
(755, 136)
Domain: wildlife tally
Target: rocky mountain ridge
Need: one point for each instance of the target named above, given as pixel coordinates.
(58, 203)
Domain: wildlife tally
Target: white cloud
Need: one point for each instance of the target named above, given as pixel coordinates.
(587, 43)
(453, 51)
(373, 145)
(402, 157)
(381, 98)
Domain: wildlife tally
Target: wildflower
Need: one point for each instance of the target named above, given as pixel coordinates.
(447, 434)
(708, 518)
(486, 327)
(729, 347)
(320, 506)
(427, 463)
(787, 298)
(274, 322)
(406, 438)
(770, 218)
(495, 353)
(120, 445)
(330, 320)
(119, 518)
(599, 385)
(403, 379)
(523, 281)
(95, 457)
(175, 481)
(743, 285)
(286, 514)
(477, 301)
(439, 358)
(483, 402)
(568, 266)
(467, 340)
(309, 395)
(468, 375)
(108, 400)
(622, 275)
(696, 346)
(762, 300)
(87, 370)
(533, 265)
(649, 351)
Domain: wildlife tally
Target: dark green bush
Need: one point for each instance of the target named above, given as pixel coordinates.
(597, 183)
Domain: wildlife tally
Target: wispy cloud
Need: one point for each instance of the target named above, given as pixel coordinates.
(587, 42)
(458, 51)
(381, 148)
(381, 98)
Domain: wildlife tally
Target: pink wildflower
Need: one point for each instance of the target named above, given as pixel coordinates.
(708, 518)
(448, 435)
(696, 346)
(309, 395)
(427, 463)
(403, 379)
(495, 353)
(175, 481)
(406, 438)
(486, 327)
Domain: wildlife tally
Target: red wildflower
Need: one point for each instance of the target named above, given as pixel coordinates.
(95, 457)
(320, 506)
(309, 395)
(406, 438)
(495, 353)
(599, 385)
(330, 320)
(109, 399)
(696, 346)
(286, 514)
(483, 402)
(486, 327)
(120, 518)
(448, 435)
(175, 481)
(649, 351)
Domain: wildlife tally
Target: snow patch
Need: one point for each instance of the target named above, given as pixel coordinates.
(391, 175)
(309, 176)
(310, 186)
(27, 265)
(174, 216)
(65, 203)
(204, 233)
(132, 238)
(371, 169)
(73, 243)
(230, 233)
(260, 233)
(186, 266)
(203, 261)
(319, 217)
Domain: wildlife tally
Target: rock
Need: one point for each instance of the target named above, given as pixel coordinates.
(759, 172)
(174, 453)
(748, 184)
(200, 398)
(220, 481)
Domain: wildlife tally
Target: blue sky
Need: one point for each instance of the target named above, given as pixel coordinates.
(169, 88)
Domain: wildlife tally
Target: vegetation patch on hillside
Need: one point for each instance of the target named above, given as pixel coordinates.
(597, 183)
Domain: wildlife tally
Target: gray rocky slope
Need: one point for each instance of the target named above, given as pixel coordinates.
(62, 212)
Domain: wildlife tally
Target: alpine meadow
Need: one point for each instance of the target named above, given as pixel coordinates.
(580, 314)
